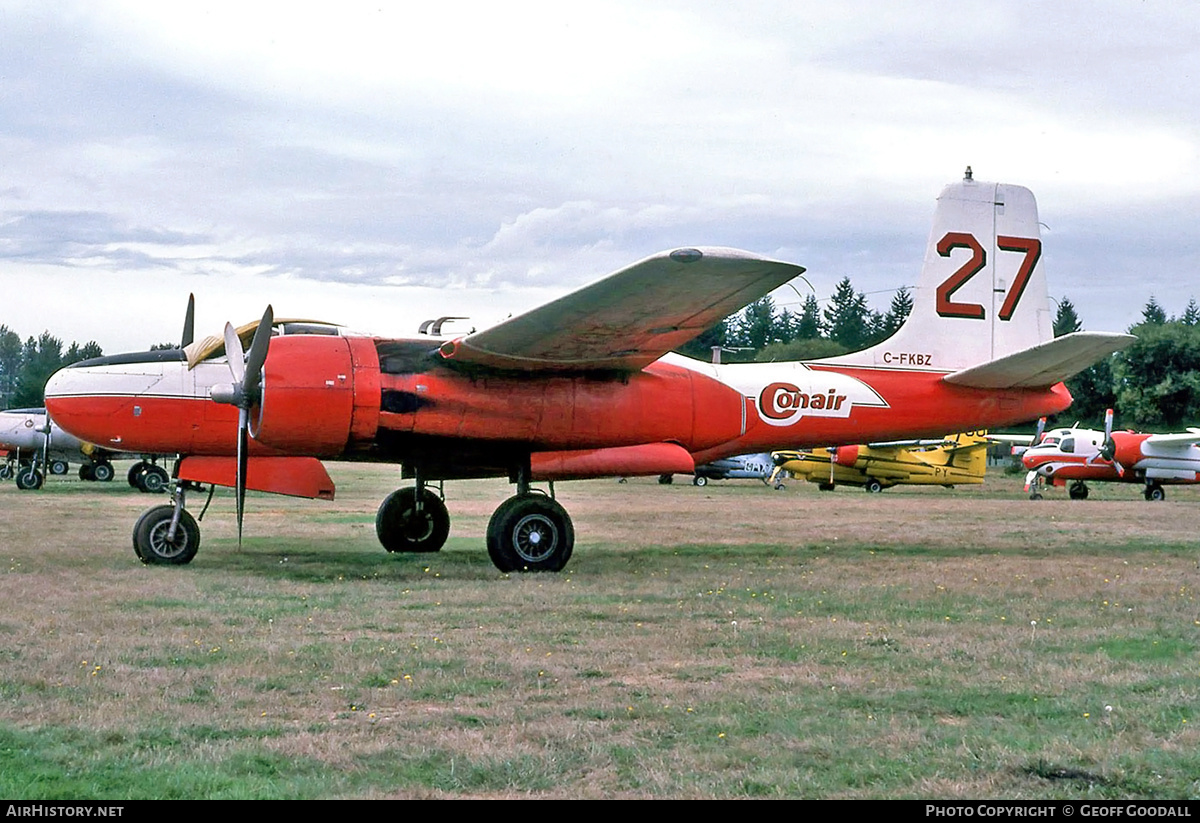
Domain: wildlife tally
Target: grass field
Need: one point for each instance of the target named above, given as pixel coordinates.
(730, 641)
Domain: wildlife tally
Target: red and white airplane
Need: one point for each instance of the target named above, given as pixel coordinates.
(1074, 456)
(586, 386)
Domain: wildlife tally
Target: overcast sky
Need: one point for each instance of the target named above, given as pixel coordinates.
(378, 164)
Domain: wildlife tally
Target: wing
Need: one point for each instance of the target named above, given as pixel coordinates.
(1043, 365)
(629, 319)
(1180, 440)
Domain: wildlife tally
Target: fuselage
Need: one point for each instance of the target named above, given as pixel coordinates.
(23, 431)
(366, 398)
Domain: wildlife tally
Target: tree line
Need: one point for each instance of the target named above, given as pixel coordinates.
(26, 366)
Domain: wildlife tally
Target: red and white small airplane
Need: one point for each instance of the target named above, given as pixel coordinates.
(1073, 456)
(586, 386)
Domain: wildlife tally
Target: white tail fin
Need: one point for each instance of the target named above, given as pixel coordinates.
(982, 292)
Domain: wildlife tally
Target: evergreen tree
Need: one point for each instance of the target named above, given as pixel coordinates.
(1191, 315)
(897, 313)
(757, 326)
(1066, 320)
(846, 316)
(1153, 313)
(809, 324)
(10, 364)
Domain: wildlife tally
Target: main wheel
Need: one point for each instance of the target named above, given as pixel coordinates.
(874, 486)
(699, 480)
(6, 472)
(153, 479)
(402, 528)
(826, 487)
(666, 479)
(135, 472)
(85, 471)
(59, 467)
(1155, 492)
(29, 479)
(102, 472)
(1035, 495)
(1078, 491)
(530, 533)
(150, 537)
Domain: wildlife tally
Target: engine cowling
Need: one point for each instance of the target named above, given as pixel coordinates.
(1127, 449)
(846, 456)
(320, 393)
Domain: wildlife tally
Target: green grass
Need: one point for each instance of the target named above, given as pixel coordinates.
(729, 642)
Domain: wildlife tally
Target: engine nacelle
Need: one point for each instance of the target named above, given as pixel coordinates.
(846, 456)
(1128, 449)
(320, 394)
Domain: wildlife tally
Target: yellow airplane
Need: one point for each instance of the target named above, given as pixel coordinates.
(955, 459)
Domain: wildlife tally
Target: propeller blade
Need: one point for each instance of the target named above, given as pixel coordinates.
(189, 323)
(242, 465)
(46, 451)
(258, 356)
(832, 458)
(234, 354)
(1108, 449)
(1041, 429)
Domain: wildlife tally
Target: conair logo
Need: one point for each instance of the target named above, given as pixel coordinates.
(835, 395)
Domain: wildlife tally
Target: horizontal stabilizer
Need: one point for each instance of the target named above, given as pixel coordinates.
(629, 319)
(1044, 364)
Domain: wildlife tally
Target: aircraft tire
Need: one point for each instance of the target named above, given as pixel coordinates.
(1155, 492)
(401, 528)
(873, 486)
(29, 479)
(1078, 491)
(779, 487)
(150, 537)
(666, 479)
(135, 472)
(85, 472)
(530, 533)
(699, 480)
(1035, 495)
(6, 472)
(153, 479)
(102, 472)
(59, 467)
(826, 487)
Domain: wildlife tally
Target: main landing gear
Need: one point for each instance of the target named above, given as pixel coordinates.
(1155, 491)
(167, 534)
(529, 532)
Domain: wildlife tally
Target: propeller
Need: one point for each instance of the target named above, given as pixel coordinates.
(1108, 451)
(245, 392)
(832, 460)
(1037, 435)
(189, 323)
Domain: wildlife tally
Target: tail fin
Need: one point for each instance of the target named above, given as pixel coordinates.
(982, 292)
(970, 453)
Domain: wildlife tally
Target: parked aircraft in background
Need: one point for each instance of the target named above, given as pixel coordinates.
(37, 446)
(739, 467)
(586, 386)
(953, 460)
(1073, 456)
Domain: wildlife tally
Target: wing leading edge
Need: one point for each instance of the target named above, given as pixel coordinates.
(629, 319)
